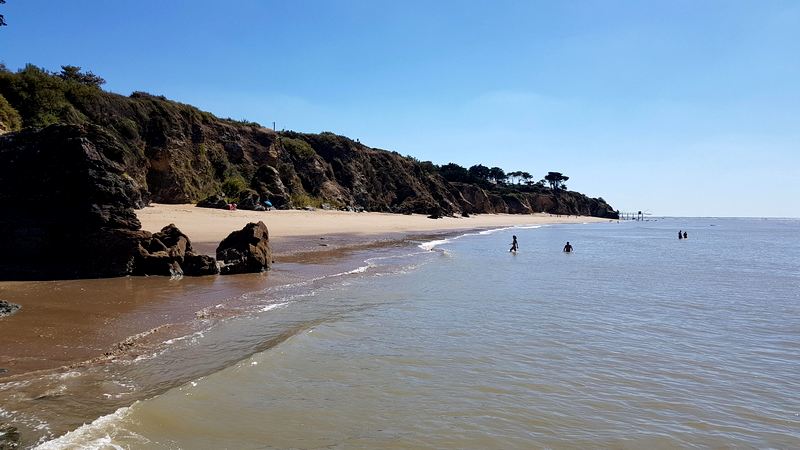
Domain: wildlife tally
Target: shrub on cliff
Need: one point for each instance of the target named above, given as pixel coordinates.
(298, 148)
(9, 117)
(40, 97)
(233, 185)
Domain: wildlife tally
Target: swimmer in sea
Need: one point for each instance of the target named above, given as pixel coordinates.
(567, 248)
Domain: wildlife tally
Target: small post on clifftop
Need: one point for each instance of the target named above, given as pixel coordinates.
(273, 126)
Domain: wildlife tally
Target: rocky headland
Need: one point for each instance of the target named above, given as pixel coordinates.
(73, 150)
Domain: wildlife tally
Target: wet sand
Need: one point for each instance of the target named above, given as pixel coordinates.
(64, 323)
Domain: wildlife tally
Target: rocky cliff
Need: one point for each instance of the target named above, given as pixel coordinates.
(94, 156)
(175, 153)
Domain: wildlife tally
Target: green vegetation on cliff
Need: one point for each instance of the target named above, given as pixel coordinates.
(175, 153)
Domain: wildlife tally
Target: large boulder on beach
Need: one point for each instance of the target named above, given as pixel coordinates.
(169, 253)
(249, 199)
(215, 201)
(246, 250)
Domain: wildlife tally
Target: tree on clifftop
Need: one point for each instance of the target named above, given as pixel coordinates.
(497, 174)
(480, 172)
(556, 180)
(73, 73)
(2, 18)
(454, 172)
(527, 177)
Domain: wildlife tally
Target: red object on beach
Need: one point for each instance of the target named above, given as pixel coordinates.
(231, 206)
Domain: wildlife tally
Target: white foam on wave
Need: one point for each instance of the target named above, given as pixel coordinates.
(273, 306)
(430, 245)
(193, 336)
(95, 435)
(25, 419)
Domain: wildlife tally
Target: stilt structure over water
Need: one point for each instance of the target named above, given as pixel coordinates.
(638, 215)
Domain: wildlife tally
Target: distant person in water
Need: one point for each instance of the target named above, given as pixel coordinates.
(680, 234)
(514, 245)
(685, 235)
(567, 248)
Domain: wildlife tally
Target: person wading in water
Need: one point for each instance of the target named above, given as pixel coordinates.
(567, 248)
(514, 245)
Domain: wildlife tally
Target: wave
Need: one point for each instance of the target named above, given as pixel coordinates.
(431, 245)
(96, 435)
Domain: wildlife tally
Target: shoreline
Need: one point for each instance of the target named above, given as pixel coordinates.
(69, 323)
(290, 230)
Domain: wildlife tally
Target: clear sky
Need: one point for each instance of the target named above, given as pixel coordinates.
(674, 107)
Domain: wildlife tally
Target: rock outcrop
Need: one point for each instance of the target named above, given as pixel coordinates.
(246, 250)
(169, 252)
(71, 213)
(69, 204)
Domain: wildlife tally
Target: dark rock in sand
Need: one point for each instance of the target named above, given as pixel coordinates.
(250, 200)
(246, 250)
(7, 309)
(435, 213)
(215, 201)
(169, 253)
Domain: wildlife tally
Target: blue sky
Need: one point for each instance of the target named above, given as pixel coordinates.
(675, 107)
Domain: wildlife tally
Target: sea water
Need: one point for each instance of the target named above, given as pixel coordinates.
(634, 340)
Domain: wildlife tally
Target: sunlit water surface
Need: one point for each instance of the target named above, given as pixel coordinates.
(635, 340)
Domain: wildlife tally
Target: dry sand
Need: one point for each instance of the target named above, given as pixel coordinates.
(204, 225)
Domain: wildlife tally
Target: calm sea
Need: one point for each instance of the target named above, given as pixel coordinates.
(635, 340)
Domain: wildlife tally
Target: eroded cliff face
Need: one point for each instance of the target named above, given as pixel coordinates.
(175, 153)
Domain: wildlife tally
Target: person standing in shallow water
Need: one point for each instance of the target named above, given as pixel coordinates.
(680, 234)
(514, 245)
(685, 235)
(567, 248)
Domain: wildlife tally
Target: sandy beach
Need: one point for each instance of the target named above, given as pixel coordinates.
(67, 322)
(287, 229)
